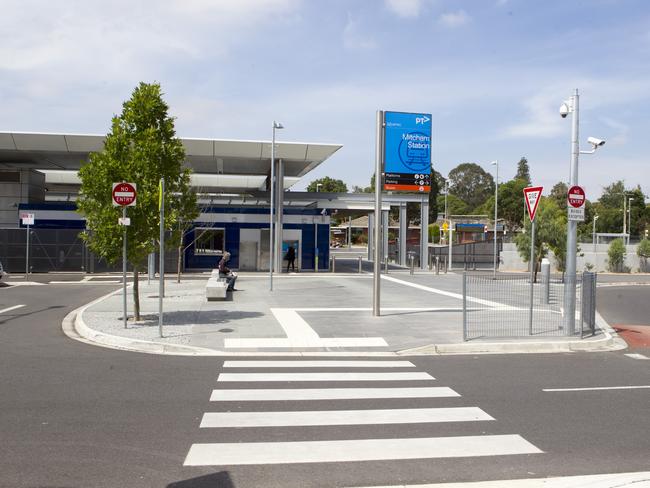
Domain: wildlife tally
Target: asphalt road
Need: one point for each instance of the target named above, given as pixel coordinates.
(627, 310)
(76, 415)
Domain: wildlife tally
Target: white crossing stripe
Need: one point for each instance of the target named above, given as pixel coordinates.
(597, 388)
(634, 355)
(247, 395)
(9, 309)
(230, 454)
(321, 343)
(324, 376)
(319, 364)
(343, 417)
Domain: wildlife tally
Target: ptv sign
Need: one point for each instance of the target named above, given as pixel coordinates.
(124, 194)
(532, 196)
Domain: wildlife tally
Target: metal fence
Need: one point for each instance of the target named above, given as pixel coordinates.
(501, 307)
(469, 256)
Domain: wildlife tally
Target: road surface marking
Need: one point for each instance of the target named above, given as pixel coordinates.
(230, 377)
(343, 417)
(319, 364)
(11, 308)
(239, 453)
(247, 395)
(300, 334)
(489, 303)
(597, 388)
(637, 356)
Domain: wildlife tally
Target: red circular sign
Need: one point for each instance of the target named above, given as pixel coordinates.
(576, 196)
(124, 194)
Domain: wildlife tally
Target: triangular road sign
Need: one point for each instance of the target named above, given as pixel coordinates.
(532, 196)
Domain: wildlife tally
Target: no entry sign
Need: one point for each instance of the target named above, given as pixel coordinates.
(124, 194)
(576, 203)
(532, 196)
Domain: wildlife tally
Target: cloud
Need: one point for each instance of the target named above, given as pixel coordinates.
(353, 39)
(404, 8)
(454, 19)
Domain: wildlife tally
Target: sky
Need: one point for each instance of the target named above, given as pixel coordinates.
(492, 73)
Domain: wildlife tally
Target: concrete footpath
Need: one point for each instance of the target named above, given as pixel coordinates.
(308, 314)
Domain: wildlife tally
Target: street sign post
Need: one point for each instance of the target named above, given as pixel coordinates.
(407, 152)
(532, 196)
(27, 220)
(124, 195)
(576, 203)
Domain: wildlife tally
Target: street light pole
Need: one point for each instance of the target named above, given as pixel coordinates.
(446, 192)
(496, 206)
(629, 217)
(593, 232)
(276, 125)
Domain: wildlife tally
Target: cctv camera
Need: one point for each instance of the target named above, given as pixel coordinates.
(564, 110)
(595, 142)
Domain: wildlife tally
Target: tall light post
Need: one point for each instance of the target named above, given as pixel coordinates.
(629, 219)
(446, 192)
(593, 232)
(276, 125)
(571, 106)
(496, 206)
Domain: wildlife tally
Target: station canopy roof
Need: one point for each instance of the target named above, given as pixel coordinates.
(218, 164)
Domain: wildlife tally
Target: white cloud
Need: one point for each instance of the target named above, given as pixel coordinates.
(454, 19)
(404, 8)
(354, 39)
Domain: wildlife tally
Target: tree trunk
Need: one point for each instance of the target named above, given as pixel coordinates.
(180, 257)
(136, 296)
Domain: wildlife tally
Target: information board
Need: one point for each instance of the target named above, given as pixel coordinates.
(407, 152)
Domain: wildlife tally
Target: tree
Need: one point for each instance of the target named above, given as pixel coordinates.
(550, 233)
(523, 171)
(511, 203)
(186, 211)
(559, 193)
(643, 251)
(616, 255)
(455, 206)
(141, 147)
(471, 183)
(328, 185)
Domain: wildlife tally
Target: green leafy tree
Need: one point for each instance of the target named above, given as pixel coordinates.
(471, 183)
(523, 171)
(616, 256)
(184, 214)
(511, 204)
(559, 193)
(141, 147)
(328, 185)
(550, 233)
(455, 206)
(643, 251)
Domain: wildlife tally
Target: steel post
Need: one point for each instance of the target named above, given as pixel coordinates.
(376, 279)
(124, 266)
(532, 277)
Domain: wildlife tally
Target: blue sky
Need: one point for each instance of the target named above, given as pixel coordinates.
(491, 72)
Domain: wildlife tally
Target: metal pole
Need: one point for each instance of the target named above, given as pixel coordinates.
(496, 206)
(532, 277)
(376, 278)
(359, 264)
(464, 306)
(315, 247)
(572, 228)
(624, 214)
(124, 265)
(27, 255)
(629, 216)
(350, 232)
(161, 266)
(593, 233)
(271, 234)
(449, 266)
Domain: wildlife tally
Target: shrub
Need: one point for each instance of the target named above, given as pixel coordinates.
(434, 233)
(643, 251)
(616, 254)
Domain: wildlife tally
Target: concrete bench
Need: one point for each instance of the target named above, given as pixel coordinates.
(214, 274)
(216, 289)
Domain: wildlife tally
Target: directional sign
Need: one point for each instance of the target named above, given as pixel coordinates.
(27, 218)
(124, 194)
(407, 152)
(532, 196)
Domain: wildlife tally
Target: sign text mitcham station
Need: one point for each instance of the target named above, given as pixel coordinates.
(407, 152)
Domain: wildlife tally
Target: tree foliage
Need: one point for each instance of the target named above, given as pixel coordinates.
(523, 171)
(471, 183)
(550, 233)
(328, 185)
(141, 147)
(559, 193)
(511, 204)
(616, 256)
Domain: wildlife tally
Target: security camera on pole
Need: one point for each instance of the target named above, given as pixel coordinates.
(124, 195)
(571, 106)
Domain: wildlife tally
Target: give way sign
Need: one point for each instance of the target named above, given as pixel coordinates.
(532, 196)
(124, 194)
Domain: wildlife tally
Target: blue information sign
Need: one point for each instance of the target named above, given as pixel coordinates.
(407, 151)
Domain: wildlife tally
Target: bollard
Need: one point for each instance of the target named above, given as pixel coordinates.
(386, 266)
(359, 264)
(546, 280)
(411, 263)
(437, 265)
(333, 264)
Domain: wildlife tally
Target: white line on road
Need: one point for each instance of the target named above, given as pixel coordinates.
(636, 356)
(319, 364)
(343, 417)
(447, 293)
(11, 308)
(297, 394)
(230, 454)
(279, 342)
(230, 377)
(598, 388)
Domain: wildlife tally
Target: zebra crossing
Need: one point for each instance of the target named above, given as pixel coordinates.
(294, 412)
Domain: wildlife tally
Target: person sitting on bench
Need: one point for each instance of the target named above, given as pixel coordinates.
(224, 272)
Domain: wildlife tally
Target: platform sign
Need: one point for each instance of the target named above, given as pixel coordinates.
(407, 152)
(27, 218)
(576, 203)
(124, 194)
(532, 196)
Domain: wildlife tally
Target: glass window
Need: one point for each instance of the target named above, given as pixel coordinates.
(210, 242)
